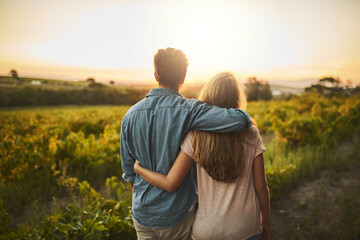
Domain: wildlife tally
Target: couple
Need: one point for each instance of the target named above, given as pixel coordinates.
(170, 135)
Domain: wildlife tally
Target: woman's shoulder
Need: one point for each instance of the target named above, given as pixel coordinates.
(186, 145)
(251, 136)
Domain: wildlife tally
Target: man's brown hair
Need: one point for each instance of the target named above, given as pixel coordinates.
(170, 66)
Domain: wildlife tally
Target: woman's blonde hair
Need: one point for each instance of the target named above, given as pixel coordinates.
(218, 153)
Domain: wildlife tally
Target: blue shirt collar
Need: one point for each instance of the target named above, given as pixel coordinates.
(163, 92)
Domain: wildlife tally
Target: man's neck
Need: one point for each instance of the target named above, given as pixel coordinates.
(175, 89)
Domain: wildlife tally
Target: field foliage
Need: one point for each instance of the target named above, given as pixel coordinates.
(67, 158)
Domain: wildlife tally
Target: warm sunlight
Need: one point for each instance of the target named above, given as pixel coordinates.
(208, 36)
(250, 44)
(270, 40)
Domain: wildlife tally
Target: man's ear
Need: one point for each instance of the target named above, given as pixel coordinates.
(156, 78)
(183, 80)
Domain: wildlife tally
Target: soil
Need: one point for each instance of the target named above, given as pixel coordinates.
(288, 211)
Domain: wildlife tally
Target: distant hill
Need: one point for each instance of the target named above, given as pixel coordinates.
(25, 91)
(283, 89)
(302, 83)
(280, 90)
(6, 81)
(54, 84)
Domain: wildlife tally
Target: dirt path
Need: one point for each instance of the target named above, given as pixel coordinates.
(288, 212)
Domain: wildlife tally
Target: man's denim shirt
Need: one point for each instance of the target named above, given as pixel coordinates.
(152, 131)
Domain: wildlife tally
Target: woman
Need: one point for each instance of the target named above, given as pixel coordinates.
(232, 188)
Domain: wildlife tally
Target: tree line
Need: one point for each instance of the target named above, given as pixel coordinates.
(97, 93)
(329, 87)
(35, 96)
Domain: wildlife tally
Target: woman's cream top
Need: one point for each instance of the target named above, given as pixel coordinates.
(228, 211)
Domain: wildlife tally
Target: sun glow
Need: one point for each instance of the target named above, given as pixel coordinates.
(268, 39)
(214, 37)
(223, 37)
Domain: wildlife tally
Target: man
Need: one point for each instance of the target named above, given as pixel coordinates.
(152, 131)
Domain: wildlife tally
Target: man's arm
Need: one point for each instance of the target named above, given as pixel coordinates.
(127, 161)
(212, 118)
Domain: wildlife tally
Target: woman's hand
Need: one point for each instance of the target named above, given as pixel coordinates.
(136, 166)
(265, 234)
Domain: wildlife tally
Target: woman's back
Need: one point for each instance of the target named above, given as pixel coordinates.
(228, 210)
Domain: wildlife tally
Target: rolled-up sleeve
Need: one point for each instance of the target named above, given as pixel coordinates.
(259, 148)
(127, 160)
(212, 118)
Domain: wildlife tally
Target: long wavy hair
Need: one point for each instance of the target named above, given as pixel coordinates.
(218, 153)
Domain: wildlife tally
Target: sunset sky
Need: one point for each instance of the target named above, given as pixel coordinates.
(116, 40)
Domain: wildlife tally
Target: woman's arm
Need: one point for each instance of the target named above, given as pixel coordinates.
(262, 192)
(175, 176)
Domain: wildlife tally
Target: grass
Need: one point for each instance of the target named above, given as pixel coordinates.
(337, 219)
(327, 207)
(286, 167)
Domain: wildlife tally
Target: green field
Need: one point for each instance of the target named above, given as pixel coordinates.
(60, 173)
